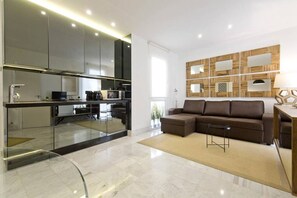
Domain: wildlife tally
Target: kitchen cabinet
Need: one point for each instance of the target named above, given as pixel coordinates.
(122, 60)
(92, 52)
(25, 34)
(126, 61)
(107, 54)
(66, 44)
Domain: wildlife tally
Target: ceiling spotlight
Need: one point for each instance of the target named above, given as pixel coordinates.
(113, 24)
(43, 12)
(128, 46)
(96, 34)
(112, 61)
(199, 35)
(89, 12)
(230, 26)
(73, 24)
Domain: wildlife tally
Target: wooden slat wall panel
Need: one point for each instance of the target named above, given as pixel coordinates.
(244, 85)
(204, 81)
(234, 93)
(204, 62)
(235, 68)
(275, 62)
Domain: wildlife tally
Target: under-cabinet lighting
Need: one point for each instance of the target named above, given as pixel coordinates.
(73, 24)
(43, 12)
(76, 17)
(96, 34)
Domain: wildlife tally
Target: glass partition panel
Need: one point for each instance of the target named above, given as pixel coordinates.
(46, 174)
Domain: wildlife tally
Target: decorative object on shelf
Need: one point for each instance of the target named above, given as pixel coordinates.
(258, 82)
(287, 84)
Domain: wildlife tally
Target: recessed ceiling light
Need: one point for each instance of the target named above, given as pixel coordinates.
(89, 12)
(199, 35)
(43, 12)
(113, 24)
(230, 26)
(73, 24)
(112, 61)
(96, 34)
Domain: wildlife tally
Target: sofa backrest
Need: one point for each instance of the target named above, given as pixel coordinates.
(194, 106)
(217, 108)
(247, 109)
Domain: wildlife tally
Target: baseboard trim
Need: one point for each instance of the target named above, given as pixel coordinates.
(140, 131)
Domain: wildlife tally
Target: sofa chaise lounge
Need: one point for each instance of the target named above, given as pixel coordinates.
(246, 118)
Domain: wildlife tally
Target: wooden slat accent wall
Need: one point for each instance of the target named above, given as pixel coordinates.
(235, 68)
(204, 62)
(275, 59)
(244, 85)
(204, 81)
(234, 93)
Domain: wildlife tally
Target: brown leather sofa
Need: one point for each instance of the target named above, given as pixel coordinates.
(285, 132)
(247, 119)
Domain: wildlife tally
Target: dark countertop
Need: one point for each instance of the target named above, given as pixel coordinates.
(43, 103)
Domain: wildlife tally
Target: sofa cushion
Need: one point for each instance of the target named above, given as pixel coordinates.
(233, 122)
(245, 123)
(217, 108)
(180, 120)
(247, 109)
(194, 106)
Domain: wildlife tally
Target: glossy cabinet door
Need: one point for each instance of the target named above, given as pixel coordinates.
(107, 54)
(66, 44)
(26, 34)
(119, 59)
(92, 52)
(126, 61)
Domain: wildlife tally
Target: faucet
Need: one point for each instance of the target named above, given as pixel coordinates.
(12, 95)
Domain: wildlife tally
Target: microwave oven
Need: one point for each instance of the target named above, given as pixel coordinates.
(59, 95)
(111, 94)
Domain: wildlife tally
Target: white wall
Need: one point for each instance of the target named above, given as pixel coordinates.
(288, 61)
(140, 84)
(1, 78)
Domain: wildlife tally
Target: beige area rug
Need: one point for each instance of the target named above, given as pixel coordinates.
(12, 141)
(252, 161)
(107, 126)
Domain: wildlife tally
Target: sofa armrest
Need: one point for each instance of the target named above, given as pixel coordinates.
(267, 119)
(175, 111)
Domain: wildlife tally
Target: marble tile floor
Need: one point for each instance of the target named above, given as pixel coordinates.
(123, 168)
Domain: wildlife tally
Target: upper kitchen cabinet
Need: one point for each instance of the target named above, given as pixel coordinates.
(122, 60)
(107, 54)
(92, 52)
(66, 44)
(126, 61)
(25, 34)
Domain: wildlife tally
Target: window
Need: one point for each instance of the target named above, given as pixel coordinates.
(159, 77)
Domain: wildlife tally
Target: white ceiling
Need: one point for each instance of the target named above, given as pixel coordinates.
(175, 24)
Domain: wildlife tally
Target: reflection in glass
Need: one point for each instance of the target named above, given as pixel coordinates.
(224, 65)
(197, 69)
(259, 60)
(197, 88)
(224, 87)
(252, 87)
